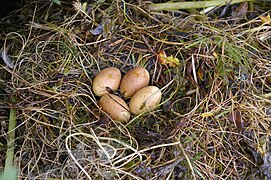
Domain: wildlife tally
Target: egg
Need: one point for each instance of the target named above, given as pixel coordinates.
(146, 99)
(115, 107)
(134, 80)
(106, 80)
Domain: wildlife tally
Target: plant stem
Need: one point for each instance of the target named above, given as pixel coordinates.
(11, 138)
(189, 5)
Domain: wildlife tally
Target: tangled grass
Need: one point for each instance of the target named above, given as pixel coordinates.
(214, 119)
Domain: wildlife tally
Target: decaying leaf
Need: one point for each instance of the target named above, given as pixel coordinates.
(236, 117)
(241, 11)
(143, 170)
(200, 74)
(167, 60)
(163, 171)
(266, 19)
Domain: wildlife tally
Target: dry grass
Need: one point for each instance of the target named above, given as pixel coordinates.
(213, 123)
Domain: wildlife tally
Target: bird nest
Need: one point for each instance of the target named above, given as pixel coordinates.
(214, 72)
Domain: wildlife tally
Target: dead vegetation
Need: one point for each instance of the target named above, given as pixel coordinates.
(214, 119)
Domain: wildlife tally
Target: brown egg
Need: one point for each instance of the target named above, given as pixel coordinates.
(146, 99)
(116, 107)
(134, 80)
(106, 80)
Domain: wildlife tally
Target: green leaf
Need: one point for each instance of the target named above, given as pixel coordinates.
(198, 156)
(57, 2)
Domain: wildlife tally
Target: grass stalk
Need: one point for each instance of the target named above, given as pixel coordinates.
(11, 139)
(191, 5)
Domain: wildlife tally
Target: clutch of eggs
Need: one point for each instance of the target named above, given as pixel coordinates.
(133, 85)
